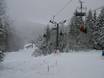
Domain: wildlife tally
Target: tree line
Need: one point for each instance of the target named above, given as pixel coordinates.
(80, 34)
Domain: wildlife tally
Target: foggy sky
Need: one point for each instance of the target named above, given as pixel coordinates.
(42, 10)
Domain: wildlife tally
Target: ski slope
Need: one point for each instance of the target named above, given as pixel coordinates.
(65, 65)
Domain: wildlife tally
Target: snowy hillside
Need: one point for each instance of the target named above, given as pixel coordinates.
(67, 65)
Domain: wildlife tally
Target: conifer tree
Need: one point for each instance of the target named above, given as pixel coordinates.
(78, 32)
(3, 32)
(100, 29)
(89, 23)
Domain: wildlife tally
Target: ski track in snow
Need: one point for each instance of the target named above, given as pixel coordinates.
(66, 65)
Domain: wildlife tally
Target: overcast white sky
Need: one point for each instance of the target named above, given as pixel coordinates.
(42, 10)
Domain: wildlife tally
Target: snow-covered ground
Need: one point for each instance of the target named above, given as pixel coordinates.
(66, 65)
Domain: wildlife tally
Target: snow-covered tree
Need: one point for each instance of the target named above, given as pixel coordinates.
(3, 29)
(1, 56)
(75, 24)
(77, 34)
(73, 32)
(89, 23)
(94, 31)
(43, 42)
(100, 30)
(46, 42)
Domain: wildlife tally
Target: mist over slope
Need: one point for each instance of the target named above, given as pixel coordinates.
(25, 31)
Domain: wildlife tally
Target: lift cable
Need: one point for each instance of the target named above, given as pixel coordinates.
(62, 8)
